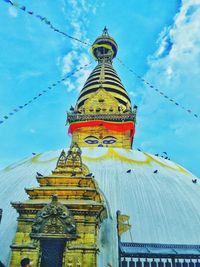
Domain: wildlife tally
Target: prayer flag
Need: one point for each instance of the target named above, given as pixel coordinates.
(23, 8)
(30, 12)
(1, 122)
(8, 1)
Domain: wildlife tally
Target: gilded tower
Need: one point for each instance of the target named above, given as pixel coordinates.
(103, 115)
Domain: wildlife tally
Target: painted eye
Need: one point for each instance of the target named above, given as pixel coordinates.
(91, 142)
(109, 142)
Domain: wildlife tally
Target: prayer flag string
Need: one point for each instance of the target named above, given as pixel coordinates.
(158, 91)
(44, 20)
(48, 22)
(52, 86)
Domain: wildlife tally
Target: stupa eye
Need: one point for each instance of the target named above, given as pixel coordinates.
(91, 140)
(108, 140)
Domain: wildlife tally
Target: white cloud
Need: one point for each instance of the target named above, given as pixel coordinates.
(79, 55)
(68, 62)
(175, 69)
(13, 11)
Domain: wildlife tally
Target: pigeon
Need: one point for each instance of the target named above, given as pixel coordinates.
(33, 153)
(194, 181)
(128, 171)
(73, 174)
(156, 155)
(89, 175)
(165, 153)
(155, 171)
(166, 157)
(39, 174)
(139, 149)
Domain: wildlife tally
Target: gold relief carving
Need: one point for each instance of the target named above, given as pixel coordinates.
(53, 219)
(101, 102)
(53, 226)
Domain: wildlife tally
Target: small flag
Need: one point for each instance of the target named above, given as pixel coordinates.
(1, 122)
(46, 21)
(38, 16)
(30, 12)
(8, 1)
(23, 8)
(6, 117)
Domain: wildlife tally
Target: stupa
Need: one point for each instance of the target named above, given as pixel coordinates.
(100, 202)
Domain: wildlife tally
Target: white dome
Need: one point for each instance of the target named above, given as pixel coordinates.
(163, 206)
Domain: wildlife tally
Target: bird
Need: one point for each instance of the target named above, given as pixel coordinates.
(194, 181)
(155, 171)
(156, 155)
(128, 171)
(33, 153)
(73, 174)
(139, 149)
(165, 153)
(39, 174)
(166, 158)
(71, 108)
(89, 175)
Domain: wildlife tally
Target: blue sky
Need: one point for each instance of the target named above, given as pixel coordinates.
(158, 39)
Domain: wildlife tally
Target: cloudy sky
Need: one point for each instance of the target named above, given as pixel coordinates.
(159, 40)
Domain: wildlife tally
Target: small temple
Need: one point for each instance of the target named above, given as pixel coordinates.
(63, 231)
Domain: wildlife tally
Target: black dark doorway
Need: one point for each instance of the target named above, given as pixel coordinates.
(52, 252)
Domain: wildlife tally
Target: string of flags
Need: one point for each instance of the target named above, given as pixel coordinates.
(44, 20)
(48, 22)
(158, 91)
(52, 86)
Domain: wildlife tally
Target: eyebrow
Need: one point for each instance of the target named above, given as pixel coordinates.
(91, 136)
(109, 136)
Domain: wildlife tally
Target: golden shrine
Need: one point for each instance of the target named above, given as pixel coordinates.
(68, 225)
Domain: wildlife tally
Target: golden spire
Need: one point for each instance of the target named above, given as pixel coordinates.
(105, 79)
(103, 115)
